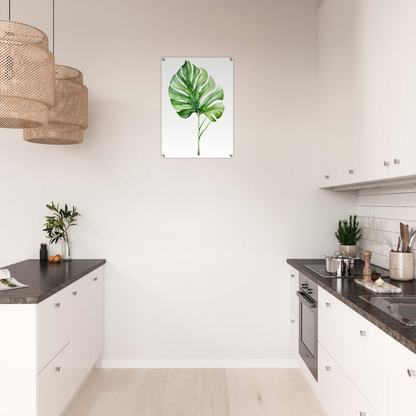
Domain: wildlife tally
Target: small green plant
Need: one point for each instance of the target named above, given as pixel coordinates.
(348, 231)
(57, 225)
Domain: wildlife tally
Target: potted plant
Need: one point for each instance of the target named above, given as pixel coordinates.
(348, 234)
(57, 226)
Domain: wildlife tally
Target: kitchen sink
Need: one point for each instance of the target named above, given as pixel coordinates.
(402, 308)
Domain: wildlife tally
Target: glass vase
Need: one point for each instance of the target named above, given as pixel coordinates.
(66, 250)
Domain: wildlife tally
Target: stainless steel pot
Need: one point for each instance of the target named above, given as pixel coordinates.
(339, 264)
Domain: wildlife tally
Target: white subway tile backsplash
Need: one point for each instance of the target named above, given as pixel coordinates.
(380, 211)
(409, 200)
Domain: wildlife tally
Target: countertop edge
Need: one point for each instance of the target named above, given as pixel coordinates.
(31, 300)
(385, 328)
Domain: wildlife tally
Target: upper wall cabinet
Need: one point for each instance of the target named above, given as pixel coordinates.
(324, 96)
(367, 91)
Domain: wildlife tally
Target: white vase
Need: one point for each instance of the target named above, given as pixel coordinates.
(349, 250)
(401, 266)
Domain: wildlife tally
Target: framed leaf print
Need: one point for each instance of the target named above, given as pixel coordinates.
(197, 108)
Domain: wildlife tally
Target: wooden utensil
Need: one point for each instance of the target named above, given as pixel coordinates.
(404, 234)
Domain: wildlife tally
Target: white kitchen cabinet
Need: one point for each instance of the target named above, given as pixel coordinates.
(37, 341)
(343, 91)
(375, 88)
(367, 91)
(294, 335)
(53, 385)
(87, 323)
(324, 97)
(368, 363)
(331, 328)
(294, 287)
(97, 314)
(357, 404)
(405, 89)
(331, 384)
(403, 380)
(53, 315)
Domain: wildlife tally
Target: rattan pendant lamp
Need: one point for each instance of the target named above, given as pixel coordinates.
(69, 117)
(26, 75)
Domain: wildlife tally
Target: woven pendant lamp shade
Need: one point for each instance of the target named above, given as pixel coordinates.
(69, 117)
(26, 76)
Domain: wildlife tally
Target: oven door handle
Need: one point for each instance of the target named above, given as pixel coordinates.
(306, 301)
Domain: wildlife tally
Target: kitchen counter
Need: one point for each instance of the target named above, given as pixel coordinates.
(44, 279)
(349, 292)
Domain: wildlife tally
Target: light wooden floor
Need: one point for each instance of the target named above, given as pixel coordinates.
(195, 392)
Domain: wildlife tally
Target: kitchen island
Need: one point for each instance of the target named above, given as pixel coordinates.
(52, 334)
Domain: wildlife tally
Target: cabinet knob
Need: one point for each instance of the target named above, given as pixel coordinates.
(95, 279)
(326, 176)
(57, 369)
(328, 305)
(363, 413)
(351, 170)
(292, 276)
(57, 305)
(327, 368)
(74, 293)
(396, 161)
(363, 333)
(386, 163)
(292, 321)
(411, 373)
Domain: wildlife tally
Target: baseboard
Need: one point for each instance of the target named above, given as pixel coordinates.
(278, 363)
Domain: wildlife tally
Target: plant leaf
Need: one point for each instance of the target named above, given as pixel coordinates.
(190, 93)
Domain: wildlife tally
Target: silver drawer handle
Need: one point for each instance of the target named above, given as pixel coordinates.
(328, 305)
(327, 368)
(74, 293)
(386, 163)
(363, 413)
(57, 369)
(57, 305)
(396, 161)
(363, 333)
(411, 373)
(350, 170)
(95, 279)
(326, 176)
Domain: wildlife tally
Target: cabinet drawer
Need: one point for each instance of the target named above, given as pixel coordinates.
(368, 362)
(294, 287)
(403, 380)
(294, 335)
(53, 327)
(54, 385)
(331, 328)
(331, 385)
(356, 403)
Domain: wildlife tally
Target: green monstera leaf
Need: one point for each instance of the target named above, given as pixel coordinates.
(192, 90)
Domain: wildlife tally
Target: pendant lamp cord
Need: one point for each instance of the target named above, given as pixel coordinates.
(53, 26)
(10, 9)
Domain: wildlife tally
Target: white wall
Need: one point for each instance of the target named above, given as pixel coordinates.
(196, 249)
(380, 211)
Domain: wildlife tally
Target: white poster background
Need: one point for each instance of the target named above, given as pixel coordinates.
(180, 136)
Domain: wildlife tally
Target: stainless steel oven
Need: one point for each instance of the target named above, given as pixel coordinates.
(308, 323)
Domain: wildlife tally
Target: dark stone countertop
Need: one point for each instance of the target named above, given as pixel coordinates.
(44, 278)
(349, 292)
